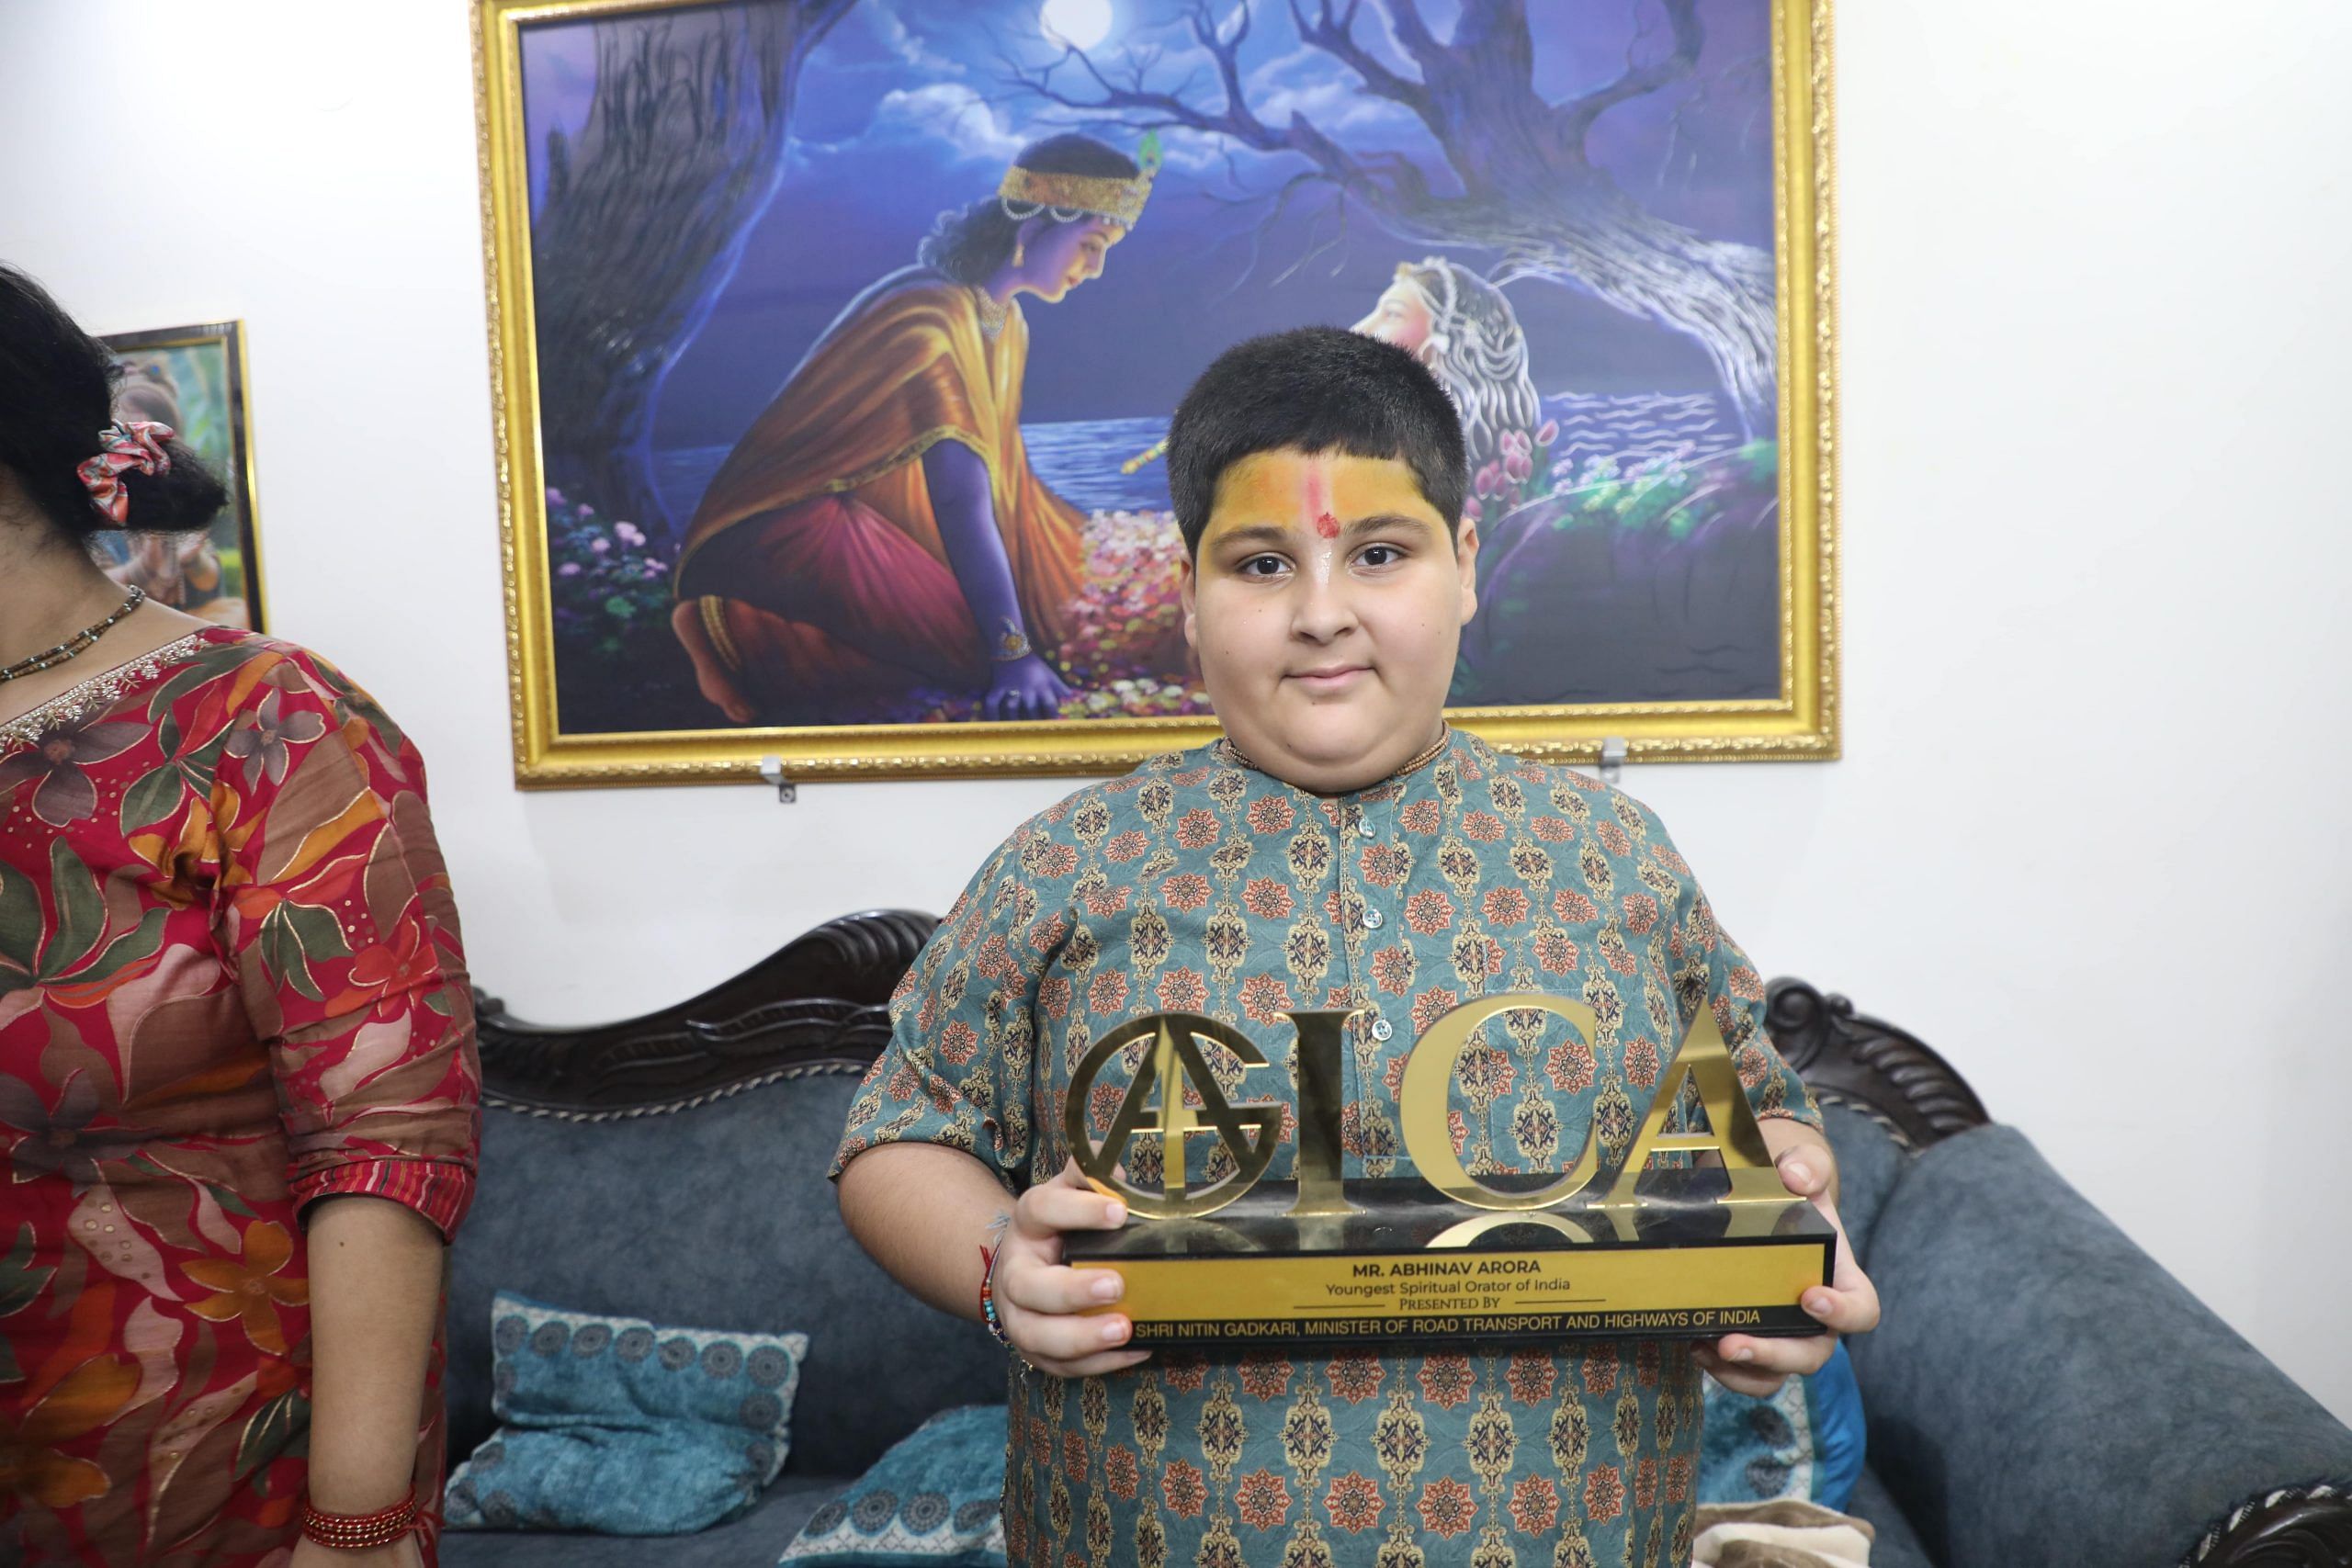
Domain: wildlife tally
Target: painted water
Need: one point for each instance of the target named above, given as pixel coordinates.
(1084, 461)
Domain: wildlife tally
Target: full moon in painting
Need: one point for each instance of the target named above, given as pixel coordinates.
(1081, 24)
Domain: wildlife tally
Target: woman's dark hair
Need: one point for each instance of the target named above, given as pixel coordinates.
(970, 244)
(1313, 389)
(56, 398)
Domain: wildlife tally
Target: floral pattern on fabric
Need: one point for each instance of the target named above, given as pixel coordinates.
(231, 984)
(1199, 883)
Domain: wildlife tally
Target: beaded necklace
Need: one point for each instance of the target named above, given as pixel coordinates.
(73, 647)
(992, 315)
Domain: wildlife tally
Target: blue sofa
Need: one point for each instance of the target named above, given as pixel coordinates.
(2040, 1392)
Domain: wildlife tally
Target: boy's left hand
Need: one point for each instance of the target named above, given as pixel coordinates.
(1756, 1366)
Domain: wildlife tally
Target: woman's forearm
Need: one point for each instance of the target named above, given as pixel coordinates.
(923, 1212)
(965, 510)
(376, 1273)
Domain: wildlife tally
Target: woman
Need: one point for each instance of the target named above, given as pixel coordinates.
(1463, 328)
(237, 1078)
(879, 531)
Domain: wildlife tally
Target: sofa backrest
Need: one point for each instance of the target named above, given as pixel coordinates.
(1869, 1162)
(713, 1216)
(673, 1168)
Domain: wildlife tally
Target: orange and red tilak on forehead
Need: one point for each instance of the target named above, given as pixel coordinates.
(1325, 494)
(1317, 501)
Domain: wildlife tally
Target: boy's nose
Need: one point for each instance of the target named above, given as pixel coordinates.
(1324, 609)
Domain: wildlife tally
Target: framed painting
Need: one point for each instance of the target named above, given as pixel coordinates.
(835, 341)
(192, 378)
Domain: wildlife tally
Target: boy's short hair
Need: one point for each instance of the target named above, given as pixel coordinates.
(1313, 389)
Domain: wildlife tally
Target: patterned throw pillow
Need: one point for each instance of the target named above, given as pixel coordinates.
(1804, 1442)
(618, 1425)
(931, 1502)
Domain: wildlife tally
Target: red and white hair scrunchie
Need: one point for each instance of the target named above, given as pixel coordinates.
(125, 445)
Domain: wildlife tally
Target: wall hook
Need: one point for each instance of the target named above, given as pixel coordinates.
(1613, 760)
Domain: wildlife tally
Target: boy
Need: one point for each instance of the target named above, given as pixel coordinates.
(1340, 847)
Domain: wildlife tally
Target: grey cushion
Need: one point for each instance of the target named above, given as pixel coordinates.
(2040, 1392)
(1896, 1544)
(755, 1541)
(715, 1217)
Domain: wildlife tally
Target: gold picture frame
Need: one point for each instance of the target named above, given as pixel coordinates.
(1801, 722)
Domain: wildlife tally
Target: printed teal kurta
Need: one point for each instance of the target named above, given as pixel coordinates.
(1200, 883)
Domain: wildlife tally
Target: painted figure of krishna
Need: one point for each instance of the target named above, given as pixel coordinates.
(879, 530)
(838, 342)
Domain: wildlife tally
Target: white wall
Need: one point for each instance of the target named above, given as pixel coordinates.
(2087, 836)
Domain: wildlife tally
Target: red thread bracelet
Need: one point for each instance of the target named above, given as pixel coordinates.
(358, 1532)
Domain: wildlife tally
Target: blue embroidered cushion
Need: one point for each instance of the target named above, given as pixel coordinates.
(932, 1502)
(1803, 1442)
(625, 1426)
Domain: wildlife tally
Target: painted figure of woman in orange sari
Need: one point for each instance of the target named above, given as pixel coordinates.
(878, 531)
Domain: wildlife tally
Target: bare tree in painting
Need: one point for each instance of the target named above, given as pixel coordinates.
(645, 219)
(1527, 186)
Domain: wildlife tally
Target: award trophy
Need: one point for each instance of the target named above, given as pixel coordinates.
(1679, 1252)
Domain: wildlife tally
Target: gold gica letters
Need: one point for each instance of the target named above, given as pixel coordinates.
(1685, 1250)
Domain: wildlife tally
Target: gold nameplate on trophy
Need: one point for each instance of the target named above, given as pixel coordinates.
(1677, 1252)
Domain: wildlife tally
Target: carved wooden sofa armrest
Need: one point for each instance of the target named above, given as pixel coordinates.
(1868, 1064)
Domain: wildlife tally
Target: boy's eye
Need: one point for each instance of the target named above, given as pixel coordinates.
(1381, 555)
(1259, 566)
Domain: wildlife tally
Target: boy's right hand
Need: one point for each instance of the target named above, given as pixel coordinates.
(1039, 1298)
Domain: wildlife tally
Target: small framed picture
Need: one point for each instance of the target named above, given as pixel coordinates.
(192, 378)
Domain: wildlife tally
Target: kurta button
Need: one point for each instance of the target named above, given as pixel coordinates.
(1381, 1029)
(1372, 919)
(1366, 829)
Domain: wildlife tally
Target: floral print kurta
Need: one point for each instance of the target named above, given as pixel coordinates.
(1199, 884)
(230, 985)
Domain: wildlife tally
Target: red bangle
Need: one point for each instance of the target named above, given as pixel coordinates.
(357, 1532)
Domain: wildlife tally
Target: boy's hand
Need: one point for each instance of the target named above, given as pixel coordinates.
(1038, 1297)
(1756, 1366)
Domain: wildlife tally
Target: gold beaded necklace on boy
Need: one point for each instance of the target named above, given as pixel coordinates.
(73, 647)
(1444, 735)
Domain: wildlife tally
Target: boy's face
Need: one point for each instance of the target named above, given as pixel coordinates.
(1326, 604)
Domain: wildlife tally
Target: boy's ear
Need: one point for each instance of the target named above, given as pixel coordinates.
(1465, 561)
(1188, 595)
